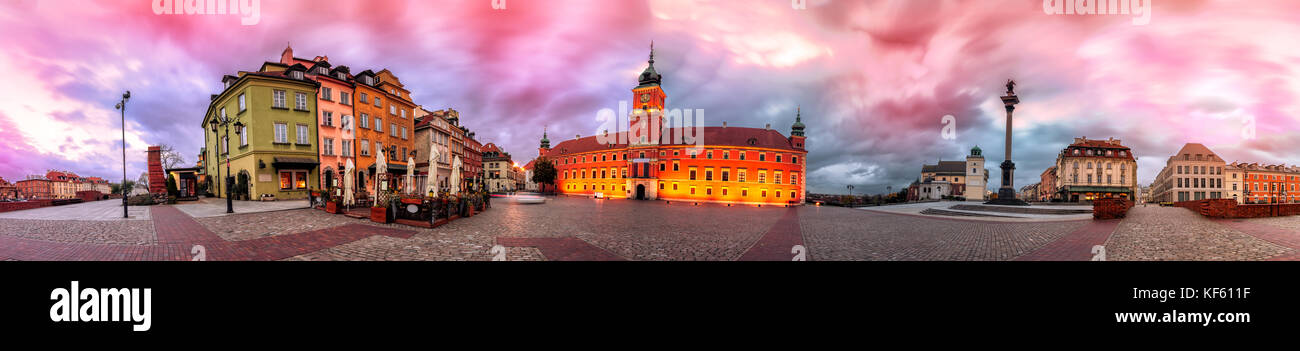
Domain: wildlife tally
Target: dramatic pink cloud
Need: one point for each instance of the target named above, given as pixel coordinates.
(873, 78)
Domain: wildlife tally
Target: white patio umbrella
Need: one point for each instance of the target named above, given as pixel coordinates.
(432, 182)
(455, 176)
(349, 180)
(410, 173)
(381, 167)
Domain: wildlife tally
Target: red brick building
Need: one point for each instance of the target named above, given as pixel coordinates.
(733, 164)
(35, 188)
(7, 190)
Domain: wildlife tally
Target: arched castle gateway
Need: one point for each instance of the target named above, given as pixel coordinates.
(734, 165)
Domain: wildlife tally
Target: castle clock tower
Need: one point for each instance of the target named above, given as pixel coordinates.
(648, 94)
(643, 137)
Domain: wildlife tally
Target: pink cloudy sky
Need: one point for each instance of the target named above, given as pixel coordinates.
(873, 78)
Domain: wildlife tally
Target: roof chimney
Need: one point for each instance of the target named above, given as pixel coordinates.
(767, 126)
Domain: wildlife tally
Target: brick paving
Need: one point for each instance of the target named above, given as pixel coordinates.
(841, 234)
(562, 249)
(176, 234)
(128, 232)
(592, 230)
(1277, 230)
(779, 242)
(172, 226)
(1076, 246)
(1172, 233)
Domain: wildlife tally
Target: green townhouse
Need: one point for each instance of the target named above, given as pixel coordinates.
(262, 129)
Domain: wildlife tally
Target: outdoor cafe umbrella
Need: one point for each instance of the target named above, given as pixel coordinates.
(348, 180)
(432, 181)
(381, 167)
(455, 176)
(410, 173)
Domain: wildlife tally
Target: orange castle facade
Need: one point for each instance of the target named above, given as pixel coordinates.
(729, 165)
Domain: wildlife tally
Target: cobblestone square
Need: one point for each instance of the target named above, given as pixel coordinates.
(572, 228)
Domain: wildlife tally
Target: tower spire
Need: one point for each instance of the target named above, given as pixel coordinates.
(797, 128)
(652, 52)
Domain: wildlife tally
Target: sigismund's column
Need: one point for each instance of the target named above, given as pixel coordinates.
(1007, 193)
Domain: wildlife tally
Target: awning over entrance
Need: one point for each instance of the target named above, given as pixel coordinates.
(281, 162)
(392, 168)
(1096, 189)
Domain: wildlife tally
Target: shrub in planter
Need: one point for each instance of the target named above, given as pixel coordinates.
(140, 200)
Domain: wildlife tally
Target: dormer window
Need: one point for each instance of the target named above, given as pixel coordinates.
(369, 80)
(323, 71)
(296, 74)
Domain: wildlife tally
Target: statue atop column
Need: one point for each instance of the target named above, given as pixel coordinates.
(1007, 192)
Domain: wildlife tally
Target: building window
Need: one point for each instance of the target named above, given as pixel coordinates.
(243, 139)
(742, 157)
(676, 166)
(403, 133)
(778, 157)
(302, 134)
(708, 174)
(674, 186)
(277, 99)
(762, 177)
(327, 146)
(661, 167)
(692, 190)
(378, 102)
(286, 180)
(365, 121)
(365, 99)
(661, 186)
(710, 155)
(242, 105)
(692, 174)
(762, 156)
(392, 129)
(726, 176)
(379, 124)
(225, 145)
(347, 148)
(744, 192)
(740, 175)
(300, 101)
(344, 98)
(281, 133)
(328, 117)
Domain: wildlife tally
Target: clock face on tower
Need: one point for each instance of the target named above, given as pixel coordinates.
(645, 97)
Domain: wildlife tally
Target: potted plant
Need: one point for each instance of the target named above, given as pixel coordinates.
(379, 209)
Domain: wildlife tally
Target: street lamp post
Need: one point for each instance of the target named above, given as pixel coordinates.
(121, 105)
(225, 123)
